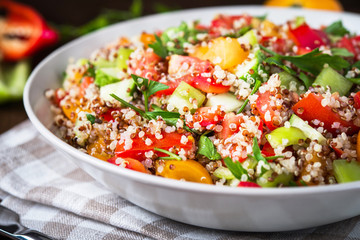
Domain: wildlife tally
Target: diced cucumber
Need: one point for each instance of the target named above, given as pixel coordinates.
(333, 79)
(251, 69)
(102, 63)
(123, 56)
(223, 172)
(300, 20)
(309, 132)
(290, 82)
(186, 96)
(227, 100)
(284, 136)
(345, 171)
(249, 163)
(250, 37)
(283, 178)
(104, 76)
(233, 182)
(122, 89)
(81, 136)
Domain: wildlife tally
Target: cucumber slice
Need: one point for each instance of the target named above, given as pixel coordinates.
(345, 171)
(309, 131)
(250, 163)
(227, 100)
(283, 178)
(186, 96)
(250, 37)
(223, 172)
(105, 76)
(122, 89)
(123, 56)
(284, 136)
(290, 82)
(333, 79)
(251, 69)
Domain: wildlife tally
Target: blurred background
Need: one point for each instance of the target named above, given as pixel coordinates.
(73, 18)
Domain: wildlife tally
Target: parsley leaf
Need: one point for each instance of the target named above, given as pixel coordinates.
(312, 62)
(172, 156)
(235, 168)
(148, 88)
(341, 52)
(239, 33)
(257, 152)
(159, 47)
(256, 87)
(337, 29)
(91, 118)
(207, 148)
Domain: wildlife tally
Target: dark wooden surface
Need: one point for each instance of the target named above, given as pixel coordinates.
(81, 11)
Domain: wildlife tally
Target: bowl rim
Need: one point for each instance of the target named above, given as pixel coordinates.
(164, 182)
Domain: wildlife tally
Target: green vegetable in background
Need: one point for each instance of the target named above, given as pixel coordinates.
(13, 77)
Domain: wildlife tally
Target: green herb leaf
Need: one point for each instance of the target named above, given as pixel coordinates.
(257, 152)
(148, 88)
(354, 80)
(172, 156)
(255, 89)
(308, 81)
(235, 168)
(261, 18)
(207, 148)
(159, 47)
(129, 105)
(273, 157)
(356, 65)
(341, 52)
(91, 118)
(239, 33)
(337, 29)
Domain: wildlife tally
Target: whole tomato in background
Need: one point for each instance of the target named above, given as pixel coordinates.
(23, 32)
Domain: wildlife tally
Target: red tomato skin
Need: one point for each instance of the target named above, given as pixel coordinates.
(139, 147)
(305, 37)
(174, 84)
(227, 22)
(209, 85)
(263, 98)
(310, 108)
(230, 118)
(85, 83)
(249, 184)
(147, 64)
(357, 100)
(130, 163)
(267, 150)
(107, 116)
(206, 116)
(351, 44)
(22, 15)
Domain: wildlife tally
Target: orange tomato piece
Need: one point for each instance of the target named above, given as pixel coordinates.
(98, 149)
(188, 170)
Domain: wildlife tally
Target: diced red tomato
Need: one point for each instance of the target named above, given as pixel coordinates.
(227, 22)
(23, 31)
(85, 83)
(267, 150)
(306, 37)
(129, 163)
(264, 109)
(249, 184)
(107, 116)
(184, 65)
(351, 44)
(357, 100)
(208, 115)
(230, 124)
(139, 147)
(310, 108)
(145, 66)
(277, 44)
(209, 85)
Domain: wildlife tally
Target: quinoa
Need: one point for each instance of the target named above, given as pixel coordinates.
(170, 126)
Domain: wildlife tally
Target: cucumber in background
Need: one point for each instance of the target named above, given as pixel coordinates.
(13, 77)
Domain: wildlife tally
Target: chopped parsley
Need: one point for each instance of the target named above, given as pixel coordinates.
(159, 48)
(172, 156)
(236, 168)
(207, 148)
(337, 29)
(91, 118)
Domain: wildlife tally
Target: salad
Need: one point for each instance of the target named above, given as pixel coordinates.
(241, 102)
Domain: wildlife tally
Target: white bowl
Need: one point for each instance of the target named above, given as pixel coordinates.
(241, 209)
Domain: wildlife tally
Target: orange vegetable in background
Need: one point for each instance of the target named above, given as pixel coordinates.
(333, 5)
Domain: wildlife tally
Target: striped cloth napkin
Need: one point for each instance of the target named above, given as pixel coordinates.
(52, 195)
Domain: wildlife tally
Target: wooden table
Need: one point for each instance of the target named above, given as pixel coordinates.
(81, 11)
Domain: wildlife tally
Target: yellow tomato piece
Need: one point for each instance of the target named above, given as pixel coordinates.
(98, 149)
(304, 172)
(147, 38)
(269, 29)
(188, 170)
(223, 51)
(323, 4)
(71, 110)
